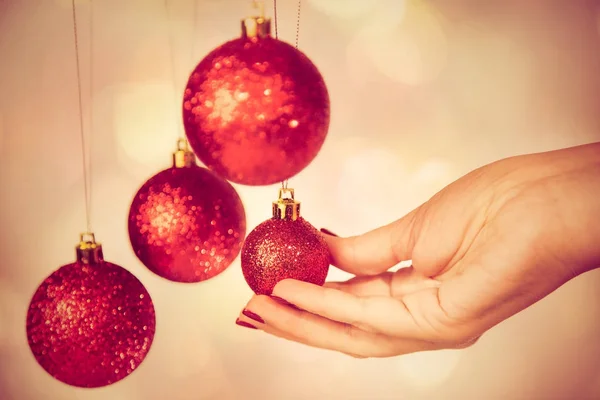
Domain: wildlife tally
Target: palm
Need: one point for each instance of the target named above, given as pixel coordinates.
(462, 270)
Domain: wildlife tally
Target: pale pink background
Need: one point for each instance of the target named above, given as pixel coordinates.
(421, 93)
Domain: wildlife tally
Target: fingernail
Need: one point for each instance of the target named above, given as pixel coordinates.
(253, 316)
(284, 302)
(244, 324)
(328, 232)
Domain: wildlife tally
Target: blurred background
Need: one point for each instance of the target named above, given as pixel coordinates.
(421, 93)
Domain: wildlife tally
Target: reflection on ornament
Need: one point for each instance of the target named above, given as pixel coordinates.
(284, 247)
(256, 110)
(185, 223)
(90, 323)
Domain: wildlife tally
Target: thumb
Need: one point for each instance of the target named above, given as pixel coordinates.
(376, 251)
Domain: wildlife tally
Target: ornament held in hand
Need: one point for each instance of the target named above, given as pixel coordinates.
(90, 323)
(256, 110)
(284, 247)
(185, 223)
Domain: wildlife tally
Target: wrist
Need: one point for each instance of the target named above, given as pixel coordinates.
(576, 191)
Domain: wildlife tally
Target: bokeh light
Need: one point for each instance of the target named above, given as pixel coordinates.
(390, 185)
(496, 68)
(299, 353)
(411, 50)
(382, 177)
(346, 9)
(386, 192)
(432, 176)
(428, 369)
(147, 123)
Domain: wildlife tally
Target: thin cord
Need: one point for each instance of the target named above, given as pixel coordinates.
(91, 108)
(284, 184)
(83, 157)
(298, 22)
(176, 100)
(194, 28)
(275, 18)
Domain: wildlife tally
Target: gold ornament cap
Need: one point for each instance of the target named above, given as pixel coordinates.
(286, 207)
(88, 251)
(255, 28)
(183, 157)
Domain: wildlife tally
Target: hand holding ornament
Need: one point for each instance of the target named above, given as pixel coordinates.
(484, 248)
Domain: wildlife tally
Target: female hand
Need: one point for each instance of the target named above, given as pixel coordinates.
(484, 248)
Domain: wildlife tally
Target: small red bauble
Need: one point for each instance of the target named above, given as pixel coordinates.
(185, 223)
(256, 110)
(284, 247)
(90, 323)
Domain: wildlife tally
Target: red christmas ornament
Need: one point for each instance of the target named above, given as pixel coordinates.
(256, 110)
(284, 247)
(90, 323)
(185, 223)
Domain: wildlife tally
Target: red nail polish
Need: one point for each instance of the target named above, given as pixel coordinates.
(328, 232)
(284, 302)
(253, 316)
(244, 324)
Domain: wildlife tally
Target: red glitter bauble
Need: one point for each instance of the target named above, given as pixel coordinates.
(284, 247)
(90, 325)
(187, 224)
(256, 110)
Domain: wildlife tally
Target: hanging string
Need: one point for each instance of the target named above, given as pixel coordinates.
(298, 23)
(194, 27)
(284, 184)
(91, 115)
(176, 97)
(86, 183)
(275, 18)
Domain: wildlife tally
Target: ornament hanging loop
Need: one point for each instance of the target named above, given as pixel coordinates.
(88, 251)
(286, 207)
(255, 28)
(184, 157)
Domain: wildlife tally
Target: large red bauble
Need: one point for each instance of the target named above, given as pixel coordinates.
(256, 111)
(90, 325)
(187, 224)
(279, 249)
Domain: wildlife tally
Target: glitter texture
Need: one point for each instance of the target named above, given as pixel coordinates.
(256, 111)
(90, 325)
(280, 249)
(187, 224)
